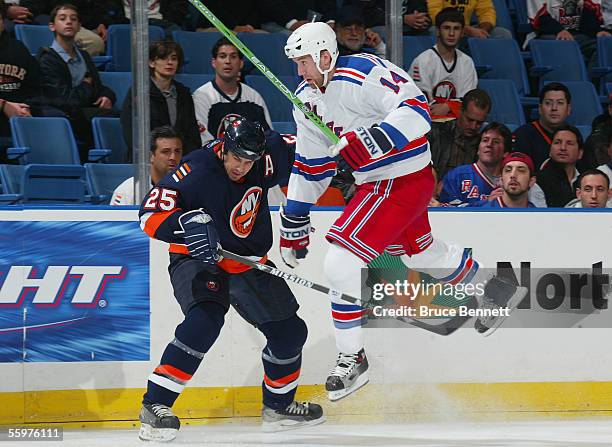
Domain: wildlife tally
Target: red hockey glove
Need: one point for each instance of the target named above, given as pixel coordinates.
(295, 237)
(361, 146)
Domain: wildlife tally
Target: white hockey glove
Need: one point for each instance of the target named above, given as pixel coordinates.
(294, 237)
(201, 237)
(362, 146)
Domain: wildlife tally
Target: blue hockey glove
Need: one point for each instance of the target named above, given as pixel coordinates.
(201, 237)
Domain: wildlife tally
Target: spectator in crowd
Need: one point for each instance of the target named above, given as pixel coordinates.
(454, 143)
(597, 145)
(70, 79)
(167, 14)
(485, 13)
(166, 152)
(517, 178)
(535, 138)
(444, 73)
(557, 176)
(24, 12)
(170, 101)
(244, 16)
(592, 190)
(352, 35)
(480, 181)
(577, 20)
(285, 16)
(226, 95)
(20, 93)
(95, 16)
(415, 16)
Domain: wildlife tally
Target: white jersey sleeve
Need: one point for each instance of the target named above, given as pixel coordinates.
(124, 193)
(203, 99)
(313, 167)
(421, 72)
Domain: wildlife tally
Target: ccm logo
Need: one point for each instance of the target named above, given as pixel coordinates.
(367, 140)
(49, 287)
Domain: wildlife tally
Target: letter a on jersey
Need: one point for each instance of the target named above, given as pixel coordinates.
(244, 213)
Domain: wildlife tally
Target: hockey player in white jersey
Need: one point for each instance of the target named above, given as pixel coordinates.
(382, 118)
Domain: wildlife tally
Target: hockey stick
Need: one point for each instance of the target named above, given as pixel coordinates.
(260, 65)
(446, 328)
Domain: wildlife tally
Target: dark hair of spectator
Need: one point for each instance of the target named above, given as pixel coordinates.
(572, 129)
(505, 133)
(555, 87)
(449, 15)
(604, 140)
(578, 182)
(55, 10)
(163, 132)
(479, 97)
(164, 48)
(221, 42)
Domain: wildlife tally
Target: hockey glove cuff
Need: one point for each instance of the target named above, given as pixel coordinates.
(362, 146)
(294, 238)
(201, 237)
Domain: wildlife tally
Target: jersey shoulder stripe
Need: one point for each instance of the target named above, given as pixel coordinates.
(358, 63)
(300, 88)
(482, 175)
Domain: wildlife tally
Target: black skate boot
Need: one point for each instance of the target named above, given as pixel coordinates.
(349, 374)
(498, 294)
(295, 415)
(158, 423)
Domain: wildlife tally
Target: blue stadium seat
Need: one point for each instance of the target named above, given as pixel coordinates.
(119, 47)
(102, 179)
(284, 127)
(522, 17)
(503, 16)
(43, 140)
(585, 131)
(270, 49)
(197, 49)
(36, 36)
(506, 106)
(119, 82)
(415, 45)
(557, 60)
(193, 81)
(43, 183)
(604, 62)
(501, 59)
(108, 135)
(279, 106)
(585, 102)
(10, 184)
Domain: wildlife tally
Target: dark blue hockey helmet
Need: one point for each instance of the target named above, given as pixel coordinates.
(244, 138)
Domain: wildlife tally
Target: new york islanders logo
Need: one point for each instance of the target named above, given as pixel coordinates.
(242, 217)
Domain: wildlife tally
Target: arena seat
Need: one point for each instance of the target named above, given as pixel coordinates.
(279, 106)
(119, 82)
(43, 140)
(102, 179)
(415, 45)
(193, 81)
(557, 60)
(119, 47)
(108, 135)
(506, 105)
(197, 50)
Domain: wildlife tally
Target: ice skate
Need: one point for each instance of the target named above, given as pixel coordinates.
(498, 294)
(349, 374)
(295, 415)
(158, 423)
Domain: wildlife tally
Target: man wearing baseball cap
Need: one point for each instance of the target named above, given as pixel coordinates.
(518, 176)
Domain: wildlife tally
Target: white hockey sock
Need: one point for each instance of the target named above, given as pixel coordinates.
(343, 271)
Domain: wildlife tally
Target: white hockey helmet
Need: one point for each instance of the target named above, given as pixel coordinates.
(312, 38)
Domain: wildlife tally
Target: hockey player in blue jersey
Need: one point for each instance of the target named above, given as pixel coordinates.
(382, 119)
(218, 197)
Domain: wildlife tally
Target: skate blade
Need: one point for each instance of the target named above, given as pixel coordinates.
(148, 433)
(288, 424)
(362, 380)
(514, 301)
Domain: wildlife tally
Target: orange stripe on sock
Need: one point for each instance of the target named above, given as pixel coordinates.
(170, 370)
(278, 383)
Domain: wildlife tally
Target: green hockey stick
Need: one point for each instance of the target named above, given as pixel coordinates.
(260, 65)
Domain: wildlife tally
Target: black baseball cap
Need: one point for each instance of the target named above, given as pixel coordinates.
(350, 15)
